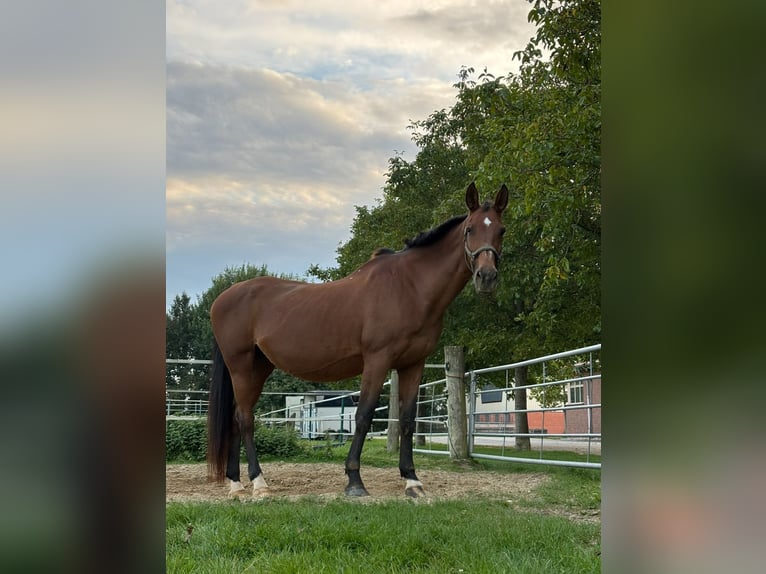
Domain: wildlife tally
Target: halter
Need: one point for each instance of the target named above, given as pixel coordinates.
(470, 256)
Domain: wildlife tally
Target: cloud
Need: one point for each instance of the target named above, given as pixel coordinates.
(262, 159)
(391, 39)
(260, 122)
(221, 211)
(282, 115)
(242, 142)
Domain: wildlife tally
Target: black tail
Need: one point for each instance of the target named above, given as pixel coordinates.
(220, 417)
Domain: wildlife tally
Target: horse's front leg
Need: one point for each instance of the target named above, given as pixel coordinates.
(409, 384)
(372, 383)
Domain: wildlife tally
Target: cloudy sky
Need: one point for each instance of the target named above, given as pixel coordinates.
(282, 116)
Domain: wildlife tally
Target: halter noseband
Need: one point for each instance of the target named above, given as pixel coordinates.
(470, 256)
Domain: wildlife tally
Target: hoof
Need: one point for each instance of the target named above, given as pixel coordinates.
(356, 491)
(414, 489)
(236, 489)
(261, 492)
(415, 492)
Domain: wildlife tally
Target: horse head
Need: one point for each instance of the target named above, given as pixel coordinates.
(483, 237)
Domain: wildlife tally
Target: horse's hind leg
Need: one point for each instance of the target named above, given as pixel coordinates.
(249, 372)
(232, 464)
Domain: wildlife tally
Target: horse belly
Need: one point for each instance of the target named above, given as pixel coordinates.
(311, 362)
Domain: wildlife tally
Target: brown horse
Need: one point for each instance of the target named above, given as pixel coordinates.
(385, 315)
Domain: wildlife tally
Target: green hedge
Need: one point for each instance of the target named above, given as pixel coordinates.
(186, 440)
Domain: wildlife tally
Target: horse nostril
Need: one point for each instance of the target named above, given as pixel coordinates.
(486, 276)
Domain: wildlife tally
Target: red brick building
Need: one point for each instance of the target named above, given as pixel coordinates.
(492, 416)
(585, 393)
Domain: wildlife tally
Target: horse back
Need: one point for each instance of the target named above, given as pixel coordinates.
(324, 331)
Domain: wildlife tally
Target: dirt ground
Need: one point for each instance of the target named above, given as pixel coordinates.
(188, 482)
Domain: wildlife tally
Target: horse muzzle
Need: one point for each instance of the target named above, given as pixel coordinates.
(485, 280)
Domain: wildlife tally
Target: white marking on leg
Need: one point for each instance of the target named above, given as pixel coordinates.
(414, 488)
(487, 221)
(260, 488)
(235, 487)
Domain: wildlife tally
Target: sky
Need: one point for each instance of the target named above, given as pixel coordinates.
(282, 117)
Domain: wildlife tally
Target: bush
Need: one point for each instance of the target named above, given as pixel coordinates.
(186, 441)
(277, 441)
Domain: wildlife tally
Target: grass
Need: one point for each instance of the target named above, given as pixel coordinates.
(397, 536)
(319, 535)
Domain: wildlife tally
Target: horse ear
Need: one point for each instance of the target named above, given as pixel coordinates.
(472, 197)
(501, 199)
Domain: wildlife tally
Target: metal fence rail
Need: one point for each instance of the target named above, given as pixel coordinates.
(431, 431)
(587, 441)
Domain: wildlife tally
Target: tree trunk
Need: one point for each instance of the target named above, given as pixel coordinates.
(521, 420)
(392, 442)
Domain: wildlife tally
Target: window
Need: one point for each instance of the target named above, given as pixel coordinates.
(490, 395)
(575, 392)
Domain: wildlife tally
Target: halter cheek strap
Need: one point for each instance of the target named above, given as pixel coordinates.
(470, 256)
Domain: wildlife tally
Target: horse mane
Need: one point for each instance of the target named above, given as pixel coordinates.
(381, 251)
(425, 238)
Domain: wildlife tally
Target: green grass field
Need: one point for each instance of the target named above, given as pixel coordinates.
(554, 529)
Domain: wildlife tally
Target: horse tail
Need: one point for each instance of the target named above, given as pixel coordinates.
(220, 417)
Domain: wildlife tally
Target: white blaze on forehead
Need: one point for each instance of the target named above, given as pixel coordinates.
(487, 221)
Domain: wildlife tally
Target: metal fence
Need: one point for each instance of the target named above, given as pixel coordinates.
(574, 425)
(563, 413)
(186, 402)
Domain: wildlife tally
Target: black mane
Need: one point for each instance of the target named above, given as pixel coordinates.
(430, 237)
(424, 238)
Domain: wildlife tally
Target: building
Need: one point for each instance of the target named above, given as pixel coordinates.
(315, 413)
(492, 414)
(586, 392)
(493, 408)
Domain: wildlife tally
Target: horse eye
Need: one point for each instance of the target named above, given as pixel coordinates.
(468, 229)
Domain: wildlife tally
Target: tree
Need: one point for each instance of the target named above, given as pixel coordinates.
(182, 342)
(555, 370)
(544, 135)
(179, 333)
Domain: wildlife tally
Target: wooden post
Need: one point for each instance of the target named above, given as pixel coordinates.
(454, 360)
(392, 438)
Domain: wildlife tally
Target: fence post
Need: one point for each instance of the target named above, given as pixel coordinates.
(471, 412)
(392, 438)
(420, 428)
(454, 369)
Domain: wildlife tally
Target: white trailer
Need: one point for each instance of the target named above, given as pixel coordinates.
(318, 412)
